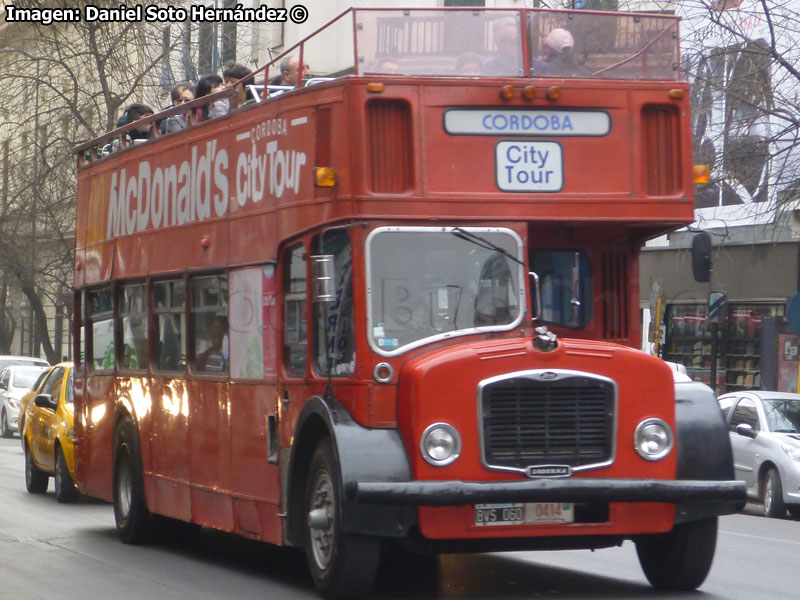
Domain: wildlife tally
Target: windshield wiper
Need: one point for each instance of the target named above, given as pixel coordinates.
(484, 243)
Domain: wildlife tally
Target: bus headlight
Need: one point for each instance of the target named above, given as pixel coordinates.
(653, 439)
(440, 444)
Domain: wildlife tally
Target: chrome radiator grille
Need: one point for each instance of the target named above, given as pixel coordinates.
(547, 418)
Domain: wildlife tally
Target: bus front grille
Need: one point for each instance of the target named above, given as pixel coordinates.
(547, 418)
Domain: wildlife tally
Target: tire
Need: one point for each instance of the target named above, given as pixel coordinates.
(35, 480)
(5, 430)
(134, 522)
(680, 559)
(342, 565)
(772, 496)
(412, 573)
(794, 510)
(66, 492)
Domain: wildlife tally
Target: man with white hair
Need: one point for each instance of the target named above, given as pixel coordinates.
(559, 59)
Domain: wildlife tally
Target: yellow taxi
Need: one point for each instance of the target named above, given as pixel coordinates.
(48, 436)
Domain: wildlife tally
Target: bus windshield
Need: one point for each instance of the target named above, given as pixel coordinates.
(425, 283)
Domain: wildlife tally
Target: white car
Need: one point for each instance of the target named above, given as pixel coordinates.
(15, 381)
(764, 429)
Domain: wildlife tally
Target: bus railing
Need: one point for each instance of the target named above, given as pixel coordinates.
(432, 42)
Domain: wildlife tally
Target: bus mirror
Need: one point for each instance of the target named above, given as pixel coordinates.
(536, 292)
(701, 257)
(323, 281)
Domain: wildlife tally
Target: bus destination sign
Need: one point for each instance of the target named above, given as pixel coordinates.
(527, 122)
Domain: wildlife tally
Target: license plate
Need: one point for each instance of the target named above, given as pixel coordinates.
(521, 514)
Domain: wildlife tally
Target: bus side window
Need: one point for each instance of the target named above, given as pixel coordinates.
(332, 326)
(208, 306)
(100, 329)
(132, 327)
(169, 326)
(566, 286)
(294, 311)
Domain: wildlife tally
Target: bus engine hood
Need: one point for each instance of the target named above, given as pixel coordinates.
(507, 402)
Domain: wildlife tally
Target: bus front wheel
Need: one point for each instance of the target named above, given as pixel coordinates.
(134, 523)
(679, 559)
(342, 565)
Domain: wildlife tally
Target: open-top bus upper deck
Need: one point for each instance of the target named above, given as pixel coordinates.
(408, 133)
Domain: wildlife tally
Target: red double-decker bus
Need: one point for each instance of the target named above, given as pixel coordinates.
(397, 305)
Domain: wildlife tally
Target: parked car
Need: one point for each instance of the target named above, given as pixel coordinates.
(15, 381)
(7, 360)
(48, 436)
(25, 400)
(764, 429)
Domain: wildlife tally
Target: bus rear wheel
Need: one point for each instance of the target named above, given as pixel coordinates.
(681, 558)
(342, 565)
(134, 522)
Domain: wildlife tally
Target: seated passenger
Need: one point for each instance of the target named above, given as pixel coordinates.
(493, 302)
(215, 357)
(290, 71)
(386, 65)
(559, 59)
(142, 133)
(244, 77)
(508, 61)
(178, 122)
(211, 84)
(469, 64)
(136, 112)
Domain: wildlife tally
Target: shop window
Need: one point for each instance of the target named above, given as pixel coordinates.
(739, 343)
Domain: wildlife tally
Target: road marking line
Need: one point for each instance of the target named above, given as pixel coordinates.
(760, 537)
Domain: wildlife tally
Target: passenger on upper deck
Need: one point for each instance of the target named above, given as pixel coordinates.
(559, 58)
(136, 112)
(289, 71)
(387, 65)
(235, 73)
(469, 64)
(178, 122)
(508, 61)
(211, 84)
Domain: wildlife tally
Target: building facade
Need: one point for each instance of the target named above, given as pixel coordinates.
(744, 115)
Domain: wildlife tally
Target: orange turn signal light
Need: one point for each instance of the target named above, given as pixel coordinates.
(676, 94)
(553, 93)
(701, 173)
(507, 92)
(529, 93)
(324, 177)
(375, 87)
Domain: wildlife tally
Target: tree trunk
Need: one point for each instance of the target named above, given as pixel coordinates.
(40, 323)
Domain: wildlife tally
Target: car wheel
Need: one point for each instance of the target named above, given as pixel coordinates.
(134, 522)
(5, 430)
(794, 510)
(342, 565)
(773, 496)
(65, 486)
(35, 480)
(680, 559)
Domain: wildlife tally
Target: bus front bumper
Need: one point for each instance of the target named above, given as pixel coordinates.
(452, 493)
